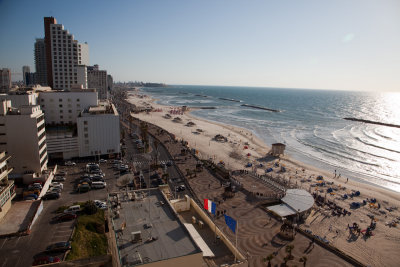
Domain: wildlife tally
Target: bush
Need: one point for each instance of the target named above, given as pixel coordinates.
(90, 208)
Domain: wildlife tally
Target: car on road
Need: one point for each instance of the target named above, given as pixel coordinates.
(51, 195)
(180, 188)
(54, 189)
(59, 247)
(45, 260)
(59, 178)
(69, 163)
(66, 217)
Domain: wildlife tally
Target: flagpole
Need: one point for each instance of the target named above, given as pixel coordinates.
(237, 232)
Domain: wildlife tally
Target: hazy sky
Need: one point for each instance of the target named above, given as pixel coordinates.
(347, 44)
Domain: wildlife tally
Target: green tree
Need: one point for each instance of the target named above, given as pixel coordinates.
(303, 260)
(269, 258)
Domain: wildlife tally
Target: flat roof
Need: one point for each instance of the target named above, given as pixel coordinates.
(173, 240)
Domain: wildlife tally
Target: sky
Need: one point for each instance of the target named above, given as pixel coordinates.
(340, 45)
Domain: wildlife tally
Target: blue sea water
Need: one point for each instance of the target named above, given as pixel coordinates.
(310, 123)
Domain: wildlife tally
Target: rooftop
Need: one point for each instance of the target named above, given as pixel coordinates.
(172, 238)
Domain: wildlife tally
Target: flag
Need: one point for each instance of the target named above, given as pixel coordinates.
(210, 206)
(230, 222)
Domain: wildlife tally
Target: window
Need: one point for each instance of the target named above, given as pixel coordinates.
(84, 122)
(69, 111)
(85, 129)
(86, 135)
(60, 106)
(61, 117)
(60, 100)
(61, 111)
(77, 100)
(86, 142)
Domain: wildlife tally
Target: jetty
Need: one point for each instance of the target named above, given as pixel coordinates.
(258, 107)
(373, 122)
(230, 99)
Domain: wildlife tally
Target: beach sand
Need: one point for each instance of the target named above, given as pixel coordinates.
(379, 250)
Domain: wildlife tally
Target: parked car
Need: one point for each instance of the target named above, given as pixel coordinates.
(84, 187)
(69, 163)
(103, 161)
(51, 195)
(59, 178)
(97, 185)
(54, 189)
(85, 180)
(73, 209)
(180, 188)
(66, 217)
(97, 179)
(45, 260)
(31, 197)
(59, 247)
(54, 184)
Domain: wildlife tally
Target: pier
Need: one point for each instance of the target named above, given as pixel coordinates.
(373, 122)
(258, 107)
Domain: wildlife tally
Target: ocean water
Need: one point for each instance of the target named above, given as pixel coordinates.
(311, 125)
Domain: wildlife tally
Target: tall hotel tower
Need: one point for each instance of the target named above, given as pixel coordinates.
(65, 58)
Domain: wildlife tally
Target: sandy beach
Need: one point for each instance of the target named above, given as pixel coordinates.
(242, 147)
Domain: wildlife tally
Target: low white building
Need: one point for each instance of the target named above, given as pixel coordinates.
(23, 136)
(98, 131)
(63, 107)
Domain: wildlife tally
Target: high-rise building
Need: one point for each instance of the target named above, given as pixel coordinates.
(63, 56)
(5, 80)
(40, 62)
(25, 71)
(97, 79)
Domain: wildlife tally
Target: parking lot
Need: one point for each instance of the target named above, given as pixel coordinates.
(20, 251)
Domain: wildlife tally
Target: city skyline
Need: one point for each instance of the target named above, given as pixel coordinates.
(336, 45)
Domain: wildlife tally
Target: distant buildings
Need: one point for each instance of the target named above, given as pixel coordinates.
(40, 62)
(25, 71)
(5, 80)
(23, 136)
(97, 79)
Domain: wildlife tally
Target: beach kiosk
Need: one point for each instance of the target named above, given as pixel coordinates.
(278, 149)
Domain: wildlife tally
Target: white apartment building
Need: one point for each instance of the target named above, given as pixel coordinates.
(63, 107)
(97, 79)
(98, 131)
(5, 80)
(23, 136)
(7, 192)
(66, 55)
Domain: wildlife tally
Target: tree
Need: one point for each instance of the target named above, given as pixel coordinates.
(156, 143)
(303, 260)
(289, 249)
(269, 258)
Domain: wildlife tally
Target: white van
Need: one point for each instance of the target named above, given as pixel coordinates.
(73, 209)
(98, 184)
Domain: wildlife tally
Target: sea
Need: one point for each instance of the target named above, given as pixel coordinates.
(311, 124)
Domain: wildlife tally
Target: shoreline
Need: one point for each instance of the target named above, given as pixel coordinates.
(242, 142)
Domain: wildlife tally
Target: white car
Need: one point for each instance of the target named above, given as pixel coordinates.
(57, 184)
(69, 163)
(103, 161)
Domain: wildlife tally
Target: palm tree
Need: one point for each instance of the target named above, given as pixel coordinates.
(303, 260)
(269, 258)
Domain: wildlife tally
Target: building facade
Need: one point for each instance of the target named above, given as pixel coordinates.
(7, 192)
(23, 136)
(40, 62)
(5, 80)
(63, 107)
(63, 55)
(98, 131)
(97, 79)
(110, 83)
